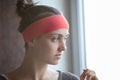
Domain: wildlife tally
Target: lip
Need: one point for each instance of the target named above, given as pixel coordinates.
(58, 56)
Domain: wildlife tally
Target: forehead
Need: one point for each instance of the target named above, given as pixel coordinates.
(63, 32)
(60, 32)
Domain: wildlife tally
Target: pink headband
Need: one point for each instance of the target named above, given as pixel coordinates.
(44, 25)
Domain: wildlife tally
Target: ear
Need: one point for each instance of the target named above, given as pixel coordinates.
(31, 43)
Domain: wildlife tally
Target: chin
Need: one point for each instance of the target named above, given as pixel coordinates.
(54, 63)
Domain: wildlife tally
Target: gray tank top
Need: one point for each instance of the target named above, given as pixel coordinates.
(62, 76)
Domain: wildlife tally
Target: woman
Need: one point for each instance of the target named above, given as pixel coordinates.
(45, 31)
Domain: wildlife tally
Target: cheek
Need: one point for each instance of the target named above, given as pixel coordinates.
(41, 51)
(47, 47)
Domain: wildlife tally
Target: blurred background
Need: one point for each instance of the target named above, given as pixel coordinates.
(94, 41)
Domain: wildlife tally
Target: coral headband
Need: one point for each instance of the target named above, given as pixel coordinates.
(43, 26)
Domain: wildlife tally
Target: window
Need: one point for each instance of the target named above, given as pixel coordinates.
(78, 36)
(102, 27)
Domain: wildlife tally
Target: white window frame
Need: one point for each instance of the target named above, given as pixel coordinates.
(78, 36)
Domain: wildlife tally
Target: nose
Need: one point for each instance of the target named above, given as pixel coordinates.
(62, 46)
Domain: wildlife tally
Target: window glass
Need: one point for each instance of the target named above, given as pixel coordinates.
(102, 27)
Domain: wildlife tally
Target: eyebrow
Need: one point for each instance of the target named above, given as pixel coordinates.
(66, 35)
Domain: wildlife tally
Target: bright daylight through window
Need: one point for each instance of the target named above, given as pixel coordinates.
(102, 27)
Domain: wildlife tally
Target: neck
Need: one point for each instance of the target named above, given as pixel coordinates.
(30, 70)
(33, 70)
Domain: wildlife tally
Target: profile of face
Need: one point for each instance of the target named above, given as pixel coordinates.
(49, 47)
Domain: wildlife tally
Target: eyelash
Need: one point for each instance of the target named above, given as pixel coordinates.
(55, 39)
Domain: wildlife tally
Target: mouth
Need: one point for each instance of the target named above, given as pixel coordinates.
(58, 56)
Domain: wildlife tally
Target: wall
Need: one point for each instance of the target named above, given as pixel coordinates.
(11, 42)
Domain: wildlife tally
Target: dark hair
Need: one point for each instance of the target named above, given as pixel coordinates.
(29, 12)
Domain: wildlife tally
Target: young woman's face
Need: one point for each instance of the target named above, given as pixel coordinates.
(49, 47)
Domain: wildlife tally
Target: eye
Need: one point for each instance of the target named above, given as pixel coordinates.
(55, 39)
(66, 37)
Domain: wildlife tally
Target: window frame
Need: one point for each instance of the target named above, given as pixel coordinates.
(78, 36)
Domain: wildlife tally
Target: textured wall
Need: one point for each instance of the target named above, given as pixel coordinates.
(11, 43)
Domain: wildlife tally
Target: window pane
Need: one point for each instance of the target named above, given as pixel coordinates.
(102, 26)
